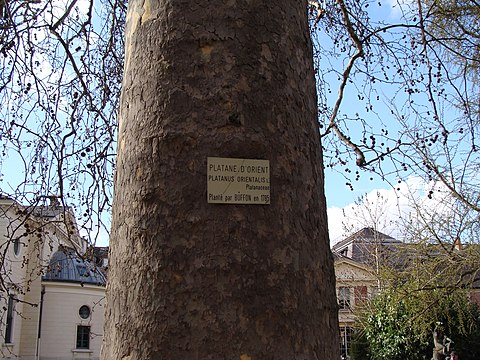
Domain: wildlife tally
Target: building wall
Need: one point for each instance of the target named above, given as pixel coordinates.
(359, 280)
(13, 271)
(21, 274)
(362, 283)
(30, 322)
(60, 318)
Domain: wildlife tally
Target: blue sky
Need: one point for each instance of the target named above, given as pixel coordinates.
(339, 195)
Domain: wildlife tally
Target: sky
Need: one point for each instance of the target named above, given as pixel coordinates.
(390, 203)
(344, 212)
(340, 197)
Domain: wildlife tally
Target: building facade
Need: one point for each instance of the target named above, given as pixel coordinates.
(47, 286)
(357, 259)
(356, 283)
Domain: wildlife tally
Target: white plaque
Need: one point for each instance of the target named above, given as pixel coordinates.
(238, 181)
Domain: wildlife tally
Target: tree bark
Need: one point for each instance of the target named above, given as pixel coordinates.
(193, 280)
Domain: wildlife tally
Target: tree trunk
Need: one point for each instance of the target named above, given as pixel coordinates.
(190, 279)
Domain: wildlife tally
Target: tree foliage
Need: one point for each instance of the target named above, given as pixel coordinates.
(399, 326)
(456, 23)
(389, 333)
(428, 279)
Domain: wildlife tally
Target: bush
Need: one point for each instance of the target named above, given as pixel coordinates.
(398, 327)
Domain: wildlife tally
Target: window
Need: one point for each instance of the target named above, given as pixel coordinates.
(16, 246)
(83, 337)
(84, 312)
(345, 340)
(82, 271)
(9, 320)
(344, 298)
(360, 294)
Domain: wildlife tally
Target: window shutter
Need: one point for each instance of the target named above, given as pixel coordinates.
(360, 294)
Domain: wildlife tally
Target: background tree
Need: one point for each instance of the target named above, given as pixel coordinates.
(410, 96)
(431, 277)
(216, 281)
(400, 321)
(413, 114)
(60, 74)
(371, 211)
(455, 23)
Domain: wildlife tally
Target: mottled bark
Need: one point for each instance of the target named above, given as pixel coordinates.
(192, 280)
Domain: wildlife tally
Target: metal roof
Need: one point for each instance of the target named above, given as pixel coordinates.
(68, 266)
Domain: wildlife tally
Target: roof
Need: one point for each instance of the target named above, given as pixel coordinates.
(339, 259)
(51, 211)
(66, 265)
(364, 235)
(364, 245)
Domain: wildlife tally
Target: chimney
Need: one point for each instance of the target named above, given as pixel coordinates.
(54, 202)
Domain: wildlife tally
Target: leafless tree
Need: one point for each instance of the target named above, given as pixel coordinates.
(60, 77)
(399, 90)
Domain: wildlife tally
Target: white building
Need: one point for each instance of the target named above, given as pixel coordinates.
(51, 299)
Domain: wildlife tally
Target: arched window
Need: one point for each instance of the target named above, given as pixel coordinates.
(16, 246)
